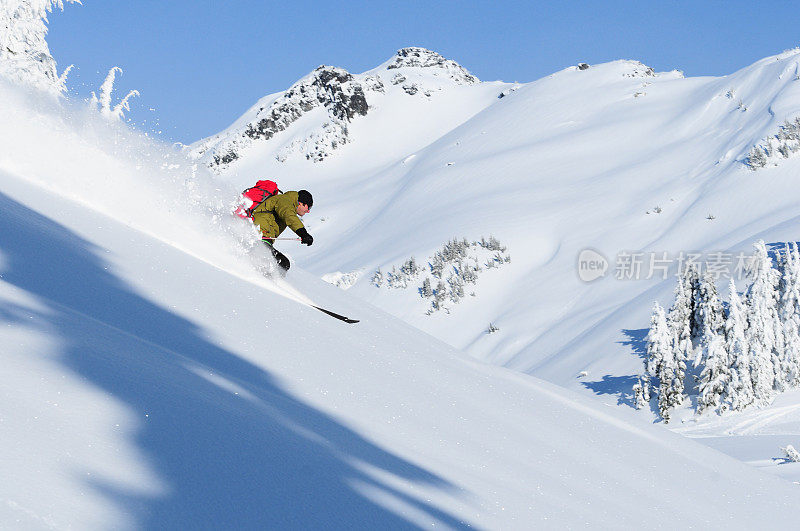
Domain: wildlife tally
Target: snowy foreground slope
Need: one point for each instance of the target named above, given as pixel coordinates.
(153, 379)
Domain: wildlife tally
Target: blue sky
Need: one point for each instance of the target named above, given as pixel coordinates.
(199, 64)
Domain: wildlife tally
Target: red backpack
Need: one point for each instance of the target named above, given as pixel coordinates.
(258, 193)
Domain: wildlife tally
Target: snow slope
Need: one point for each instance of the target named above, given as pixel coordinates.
(153, 378)
(614, 158)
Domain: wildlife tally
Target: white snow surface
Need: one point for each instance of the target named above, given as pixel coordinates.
(154, 378)
(614, 158)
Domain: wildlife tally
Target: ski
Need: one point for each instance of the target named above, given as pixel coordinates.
(336, 315)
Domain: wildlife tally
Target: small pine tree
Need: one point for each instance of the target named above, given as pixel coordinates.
(715, 377)
(707, 316)
(681, 315)
(456, 287)
(756, 159)
(641, 392)
(24, 53)
(439, 294)
(437, 264)
(739, 392)
(789, 313)
(426, 290)
(377, 278)
(763, 326)
(661, 362)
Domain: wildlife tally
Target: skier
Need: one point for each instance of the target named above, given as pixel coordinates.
(276, 213)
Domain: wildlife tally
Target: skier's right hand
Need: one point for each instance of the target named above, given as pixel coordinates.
(305, 237)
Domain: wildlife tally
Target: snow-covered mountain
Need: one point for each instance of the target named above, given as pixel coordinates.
(152, 378)
(613, 157)
(157, 375)
(638, 169)
(313, 117)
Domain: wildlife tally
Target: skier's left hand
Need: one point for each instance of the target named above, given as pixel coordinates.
(305, 237)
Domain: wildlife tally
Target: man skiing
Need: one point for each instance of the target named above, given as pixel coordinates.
(276, 213)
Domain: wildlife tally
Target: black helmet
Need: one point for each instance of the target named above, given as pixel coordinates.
(304, 196)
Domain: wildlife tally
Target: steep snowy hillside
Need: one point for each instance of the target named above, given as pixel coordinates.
(153, 378)
(614, 158)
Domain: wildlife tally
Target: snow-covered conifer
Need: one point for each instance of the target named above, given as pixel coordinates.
(740, 385)
(764, 334)
(708, 315)
(426, 290)
(439, 295)
(756, 159)
(456, 287)
(641, 392)
(103, 102)
(715, 377)
(670, 391)
(681, 314)
(789, 313)
(377, 278)
(662, 362)
(24, 53)
(763, 337)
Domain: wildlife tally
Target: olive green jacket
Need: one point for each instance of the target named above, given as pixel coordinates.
(276, 213)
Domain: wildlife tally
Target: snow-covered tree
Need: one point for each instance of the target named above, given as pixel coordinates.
(641, 392)
(789, 313)
(426, 290)
(103, 102)
(764, 333)
(715, 377)
(670, 391)
(663, 364)
(740, 386)
(439, 294)
(456, 287)
(24, 54)
(410, 268)
(708, 316)
(681, 315)
(377, 278)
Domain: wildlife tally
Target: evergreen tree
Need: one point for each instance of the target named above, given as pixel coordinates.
(764, 333)
(789, 313)
(715, 378)
(24, 53)
(681, 315)
(663, 364)
(740, 392)
(439, 295)
(426, 290)
(641, 392)
(670, 392)
(707, 321)
(377, 278)
(456, 287)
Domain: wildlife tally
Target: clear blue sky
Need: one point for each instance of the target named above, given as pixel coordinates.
(199, 64)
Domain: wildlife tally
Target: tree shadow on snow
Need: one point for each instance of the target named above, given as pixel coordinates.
(260, 459)
(622, 386)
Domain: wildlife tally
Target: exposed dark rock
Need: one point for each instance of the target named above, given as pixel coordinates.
(423, 58)
(582, 66)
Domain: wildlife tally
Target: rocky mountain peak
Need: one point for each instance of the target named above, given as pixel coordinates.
(342, 95)
(416, 57)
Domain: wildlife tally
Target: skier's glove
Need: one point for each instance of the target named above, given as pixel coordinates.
(305, 237)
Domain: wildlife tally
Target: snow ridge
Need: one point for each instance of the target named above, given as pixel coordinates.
(341, 95)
